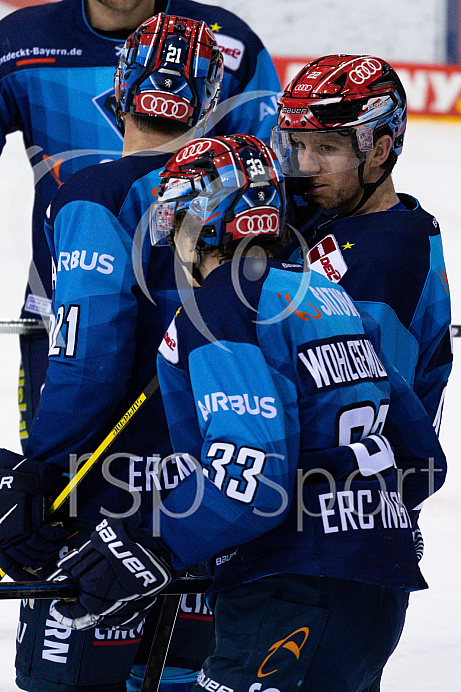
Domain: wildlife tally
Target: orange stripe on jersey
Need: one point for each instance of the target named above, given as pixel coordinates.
(31, 61)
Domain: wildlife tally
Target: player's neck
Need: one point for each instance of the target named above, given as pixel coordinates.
(108, 17)
(135, 140)
(382, 199)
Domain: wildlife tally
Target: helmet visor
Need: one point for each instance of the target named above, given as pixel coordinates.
(308, 154)
(161, 221)
(179, 195)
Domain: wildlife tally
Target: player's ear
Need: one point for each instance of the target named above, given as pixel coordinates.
(381, 151)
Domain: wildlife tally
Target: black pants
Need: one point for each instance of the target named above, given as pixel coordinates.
(291, 633)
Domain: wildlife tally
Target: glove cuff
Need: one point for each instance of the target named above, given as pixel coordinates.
(39, 477)
(142, 535)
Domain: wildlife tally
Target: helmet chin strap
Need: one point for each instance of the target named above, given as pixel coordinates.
(370, 188)
(119, 120)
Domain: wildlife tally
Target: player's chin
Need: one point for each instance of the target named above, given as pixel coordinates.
(320, 193)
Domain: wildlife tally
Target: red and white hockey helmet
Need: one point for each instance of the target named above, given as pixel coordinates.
(231, 187)
(356, 95)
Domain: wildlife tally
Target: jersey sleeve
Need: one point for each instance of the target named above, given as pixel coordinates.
(226, 408)
(419, 457)
(5, 119)
(91, 332)
(432, 322)
(10, 118)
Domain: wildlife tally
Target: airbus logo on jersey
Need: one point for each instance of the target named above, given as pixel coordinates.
(239, 404)
(79, 259)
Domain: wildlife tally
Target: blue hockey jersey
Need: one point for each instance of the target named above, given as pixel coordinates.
(114, 296)
(391, 263)
(281, 396)
(56, 76)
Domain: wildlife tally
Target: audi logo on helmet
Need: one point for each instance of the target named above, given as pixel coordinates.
(303, 87)
(366, 69)
(262, 220)
(163, 106)
(194, 150)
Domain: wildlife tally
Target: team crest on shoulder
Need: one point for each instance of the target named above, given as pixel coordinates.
(169, 346)
(326, 258)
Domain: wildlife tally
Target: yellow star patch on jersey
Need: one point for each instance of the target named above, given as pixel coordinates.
(348, 246)
(215, 27)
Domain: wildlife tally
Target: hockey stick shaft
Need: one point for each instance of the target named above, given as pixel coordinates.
(105, 444)
(23, 326)
(31, 326)
(161, 642)
(65, 589)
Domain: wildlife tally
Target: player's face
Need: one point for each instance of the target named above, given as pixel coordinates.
(330, 163)
(127, 6)
(340, 191)
(185, 241)
(323, 153)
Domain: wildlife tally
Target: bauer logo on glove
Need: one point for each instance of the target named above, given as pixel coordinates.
(132, 563)
(119, 573)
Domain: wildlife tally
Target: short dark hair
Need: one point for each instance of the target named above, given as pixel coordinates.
(151, 124)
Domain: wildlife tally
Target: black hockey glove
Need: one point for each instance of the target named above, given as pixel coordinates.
(26, 543)
(119, 575)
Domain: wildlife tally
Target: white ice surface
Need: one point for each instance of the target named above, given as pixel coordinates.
(425, 660)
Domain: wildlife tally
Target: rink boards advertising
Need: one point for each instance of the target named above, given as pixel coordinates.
(432, 90)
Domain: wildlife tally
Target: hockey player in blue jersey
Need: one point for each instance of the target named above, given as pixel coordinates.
(272, 382)
(114, 296)
(340, 131)
(56, 67)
